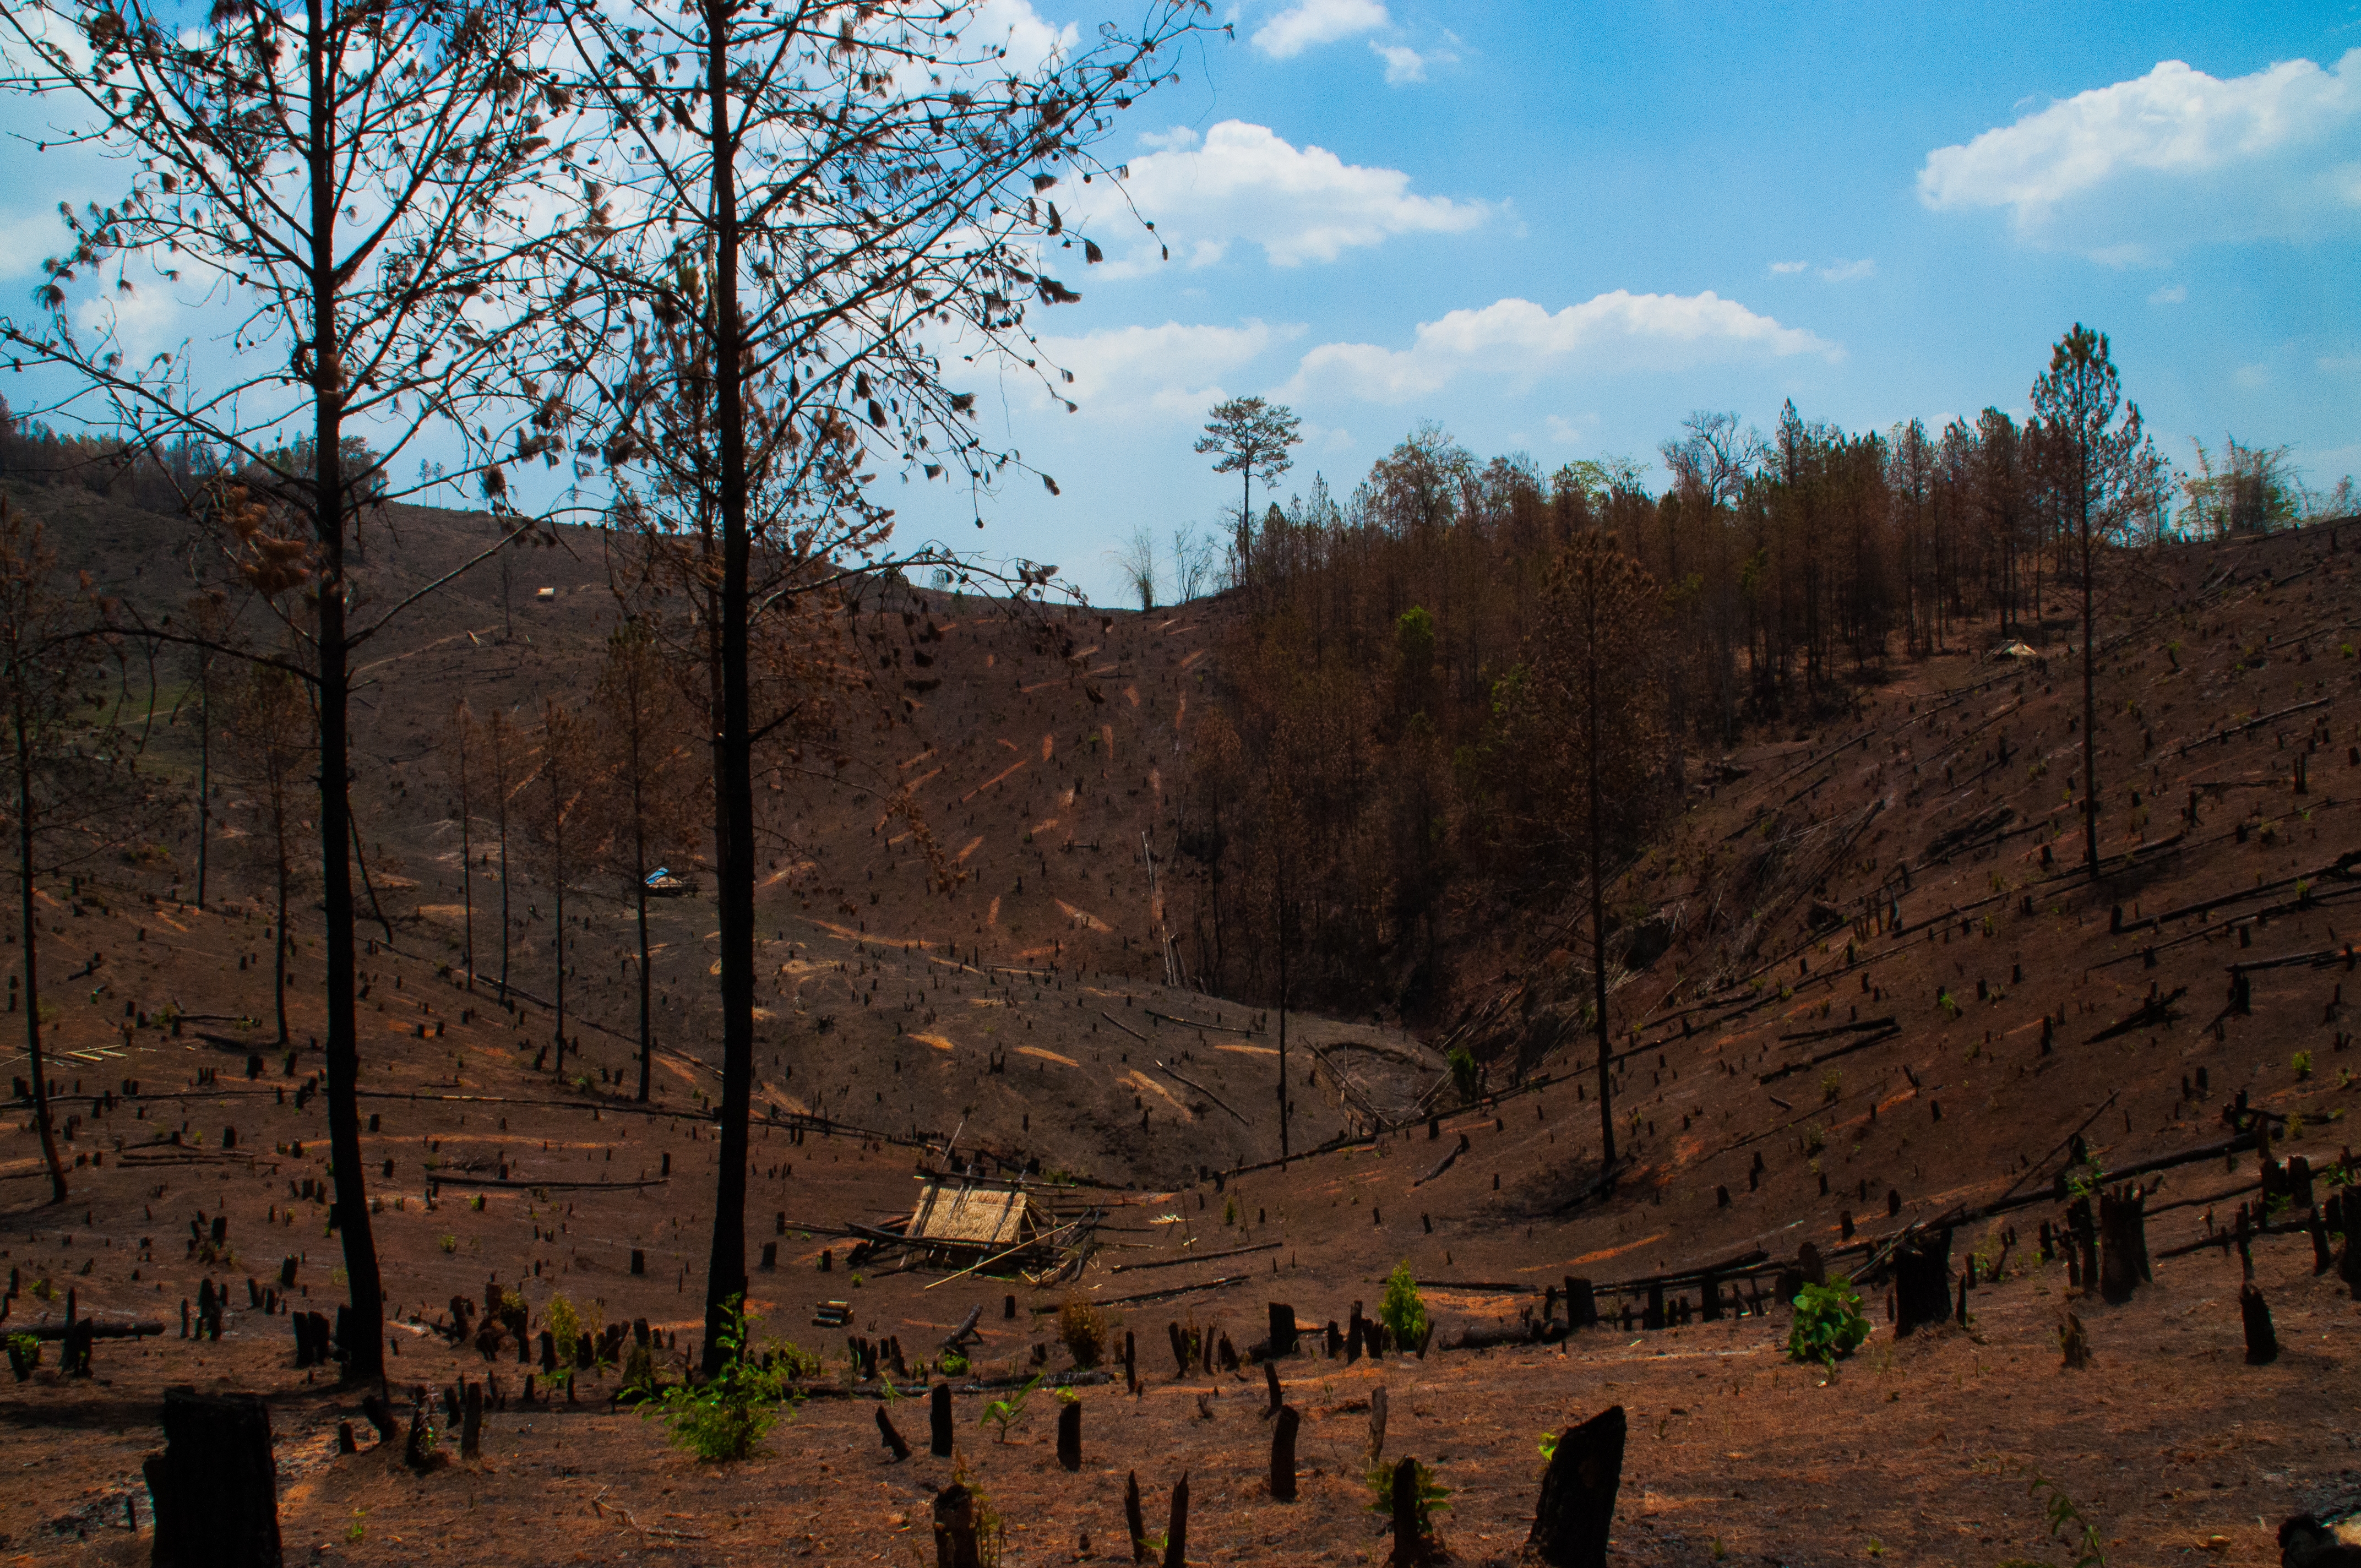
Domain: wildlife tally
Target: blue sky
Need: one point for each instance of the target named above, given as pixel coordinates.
(1509, 219)
(1560, 228)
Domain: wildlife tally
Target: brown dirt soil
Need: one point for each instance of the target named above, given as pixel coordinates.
(1002, 1012)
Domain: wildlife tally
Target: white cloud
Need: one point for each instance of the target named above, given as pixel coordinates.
(1310, 22)
(1570, 432)
(2171, 294)
(1847, 272)
(1245, 182)
(1402, 64)
(1789, 269)
(2251, 378)
(1520, 341)
(2340, 364)
(1171, 370)
(2124, 171)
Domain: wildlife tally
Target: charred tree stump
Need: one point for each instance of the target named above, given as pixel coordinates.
(2122, 1232)
(471, 1422)
(1577, 1501)
(215, 1489)
(1282, 1329)
(939, 1421)
(1410, 1544)
(890, 1437)
(1070, 1435)
(1654, 1318)
(955, 1529)
(1283, 1453)
(2254, 1315)
(347, 1443)
(1179, 1349)
(1581, 1304)
(1130, 1363)
(2324, 1257)
(1922, 1279)
(381, 1416)
(1270, 1381)
(1176, 1532)
(1136, 1521)
(2348, 1262)
(1376, 1424)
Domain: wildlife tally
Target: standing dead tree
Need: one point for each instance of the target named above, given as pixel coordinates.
(808, 203)
(555, 813)
(51, 655)
(274, 737)
(366, 184)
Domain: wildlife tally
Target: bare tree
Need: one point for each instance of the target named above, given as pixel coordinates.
(1586, 718)
(505, 775)
(363, 180)
(273, 737)
(1135, 559)
(51, 655)
(463, 765)
(646, 790)
(809, 200)
(1193, 563)
(561, 784)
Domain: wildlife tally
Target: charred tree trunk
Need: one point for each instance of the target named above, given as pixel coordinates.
(215, 1489)
(1578, 1502)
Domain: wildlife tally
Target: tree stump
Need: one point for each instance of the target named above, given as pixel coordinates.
(1808, 1258)
(1070, 1435)
(1578, 1500)
(1654, 1318)
(1282, 1329)
(938, 1418)
(1176, 1530)
(1179, 1349)
(1377, 1425)
(955, 1529)
(2255, 1314)
(1409, 1542)
(1581, 1305)
(1133, 1518)
(471, 1423)
(2122, 1234)
(2073, 1344)
(1270, 1381)
(215, 1489)
(1130, 1363)
(381, 1416)
(1922, 1281)
(890, 1437)
(1283, 1453)
(347, 1443)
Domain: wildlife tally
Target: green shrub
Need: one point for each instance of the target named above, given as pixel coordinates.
(1465, 1076)
(1829, 1322)
(565, 1325)
(1431, 1494)
(726, 1416)
(2302, 1064)
(1401, 1311)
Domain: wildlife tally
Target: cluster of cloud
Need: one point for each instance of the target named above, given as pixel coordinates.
(1834, 272)
(2126, 172)
(1176, 370)
(1244, 183)
(1308, 24)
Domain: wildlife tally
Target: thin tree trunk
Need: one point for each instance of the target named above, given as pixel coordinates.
(364, 1347)
(1598, 895)
(2090, 681)
(733, 780)
(501, 826)
(204, 770)
(33, 1059)
(558, 838)
(278, 962)
(1281, 902)
(640, 887)
(467, 850)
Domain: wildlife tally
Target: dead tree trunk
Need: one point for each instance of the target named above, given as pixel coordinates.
(1922, 1281)
(939, 1416)
(2262, 1340)
(215, 1489)
(955, 1529)
(1578, 1500)
(1283, 1453)
(1409, 1545)
(2123, 1244)
(890, 1437)
(1070, 1436)
(1175, 1532)
(1134, 1519)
